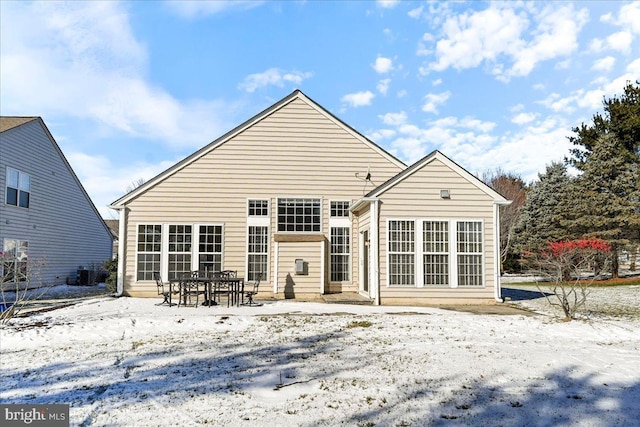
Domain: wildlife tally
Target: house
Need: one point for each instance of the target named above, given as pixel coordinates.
(312, 206)
(49, 227)
(113, 228)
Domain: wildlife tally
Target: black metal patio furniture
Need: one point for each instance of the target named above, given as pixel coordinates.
(166, 293)
(249, 294)
(191, 287)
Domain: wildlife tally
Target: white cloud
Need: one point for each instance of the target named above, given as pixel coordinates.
(523, 118)
(394, 119)
(556, 35)
(94, 171)
(436, 82)
(388, 4)
(415, 13)
(604, 64)
(272, 77)
(433, 100)
(620, 41)
(383, 86)
(198, 8)
(358, 99)
(383, 65)
(498, 34)
(629, 17)
(82, 60)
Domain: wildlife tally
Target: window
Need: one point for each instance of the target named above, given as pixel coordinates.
(469, 249)
(339, 253)
(149, 249)
(258, 208)
(339, 209)
(210, 248)
(401, 253)
(257, 252)
(299, 215)
(179, 250)
(14, 261)
(451, 251)
(18, 188)
(436, 253)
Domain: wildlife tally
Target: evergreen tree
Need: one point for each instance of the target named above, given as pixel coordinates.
(543, 214)
(608, 155)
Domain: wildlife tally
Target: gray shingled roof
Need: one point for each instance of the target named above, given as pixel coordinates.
(7, 122)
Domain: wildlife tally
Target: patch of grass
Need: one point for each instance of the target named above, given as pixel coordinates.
(359, 324)
(623, 281)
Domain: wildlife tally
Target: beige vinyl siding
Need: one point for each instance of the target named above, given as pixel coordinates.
(291, 285)
(296, 151)
(418, 197)
(62, 227)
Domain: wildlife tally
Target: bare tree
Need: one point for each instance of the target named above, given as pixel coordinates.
(562, 266)
(135, 184)
(20, 283)
(513, 188)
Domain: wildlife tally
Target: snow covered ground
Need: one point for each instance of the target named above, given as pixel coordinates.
(127, 362)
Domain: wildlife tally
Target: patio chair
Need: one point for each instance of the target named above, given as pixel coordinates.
(249, 294)
(162, 291)
(191, 288)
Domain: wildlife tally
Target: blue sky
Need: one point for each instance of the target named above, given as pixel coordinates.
(130, 88)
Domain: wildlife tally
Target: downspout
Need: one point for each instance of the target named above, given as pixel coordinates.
(496, 249)
(122, 238)
(375, 248)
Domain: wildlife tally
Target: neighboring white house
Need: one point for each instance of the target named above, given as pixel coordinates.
(299, 197)
(48, 224)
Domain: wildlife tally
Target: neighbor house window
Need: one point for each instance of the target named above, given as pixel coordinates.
(340, 251)
(469, 252)
(18, 188)
(179, 250)
(257, 252)
(401, 253)
(210, 248)
(436, 253)
(299, 215)
(149, 250)
(14, 260)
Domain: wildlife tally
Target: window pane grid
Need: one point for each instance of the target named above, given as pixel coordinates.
(210, 248)
(299, 215)
(469, 270)
(258, 208)
(258, 251)
(401, 253)
(149, 247)
(18, 188)
(435, 245)
(179, 250)
(469, 245)
(340, 250)
(339, 209)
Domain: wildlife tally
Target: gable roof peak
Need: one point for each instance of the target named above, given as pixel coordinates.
(10, 122)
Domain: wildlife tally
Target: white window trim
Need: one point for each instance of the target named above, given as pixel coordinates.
(265, 278)
(163, 273)
(164, 248)
(415, 253)
(259, 220)
(195, 249)
(18, 188)
(277, 219)
(349, 254)
(453, 252)
(17, 242)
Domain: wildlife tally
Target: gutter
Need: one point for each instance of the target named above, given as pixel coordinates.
(496, 248)
(121, 244)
